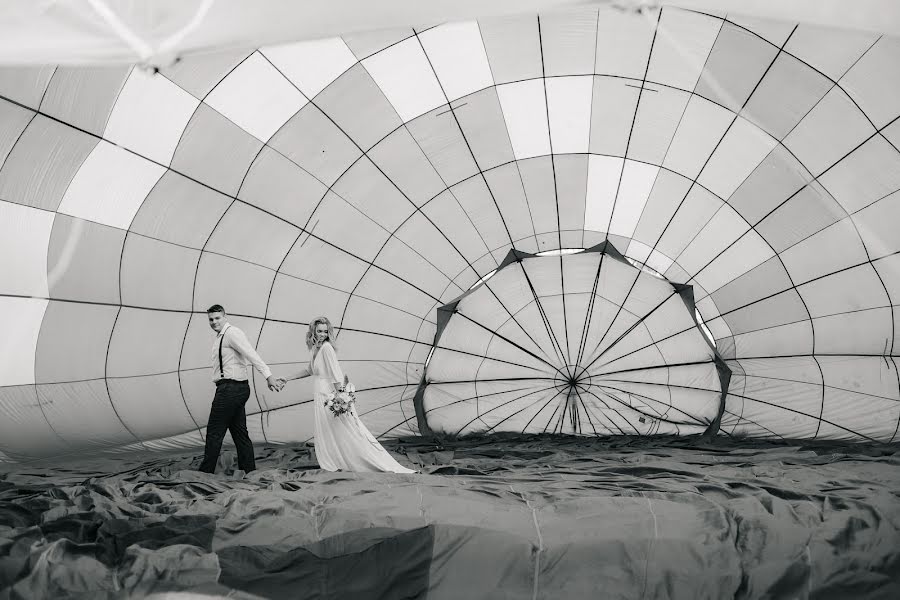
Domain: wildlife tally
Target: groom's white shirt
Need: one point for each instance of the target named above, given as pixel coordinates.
(237, 355)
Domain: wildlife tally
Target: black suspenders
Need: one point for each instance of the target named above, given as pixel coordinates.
(221, 365)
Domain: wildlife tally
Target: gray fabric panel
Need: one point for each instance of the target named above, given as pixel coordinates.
(65, 406)
(156, 274)
(83, 260)
(513, 47)
(25, 85)
(146, 342)
(863, 332)
(787, 93)
(571, 189)
(569, 42)
(23, 428)
(889, 270)
(13, 121)
(829, 50)
(277, 185)
(296, 300)
(73, 342)
(855, 289)
(612, 114)
(215, 151)
(892, 133)
(874, 81)
(359, 107)
(658, 115)
(877, 225)
(367, 43)
(736, 63)
(835, 247)
(247, 233)
(834, 127)
(314, 142)
(475, 198)
(43, 162)
(776, 178)
(335, 218)
(871, 172)
(763, 280)
(84, 96)
(443, 143)
(484, 128)
(366, 188)
(447, 215)
(810, 211)
(540, 190)
(430, 241)
(198, 74)
(314, 260)
(398, 258)
(215, 284)
(401, 159)
(153, 407)
(506, 184)
(669, 190)
(698, 208)
(781, 309)
(180, 210)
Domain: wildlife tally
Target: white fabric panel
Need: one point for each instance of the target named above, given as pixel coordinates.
(110, 186)
(637, 182)
(742, 149)
(524, 108)
(457, 54)
(569, 107)
(150, 115)
(702, 126)
(256, 97)
(312, 65)
(683, 41)
(749, 251)
(603, 182)
(20, 321)
(406, 78)
(24, 241)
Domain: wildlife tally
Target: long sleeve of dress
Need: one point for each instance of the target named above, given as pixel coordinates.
(333, 372)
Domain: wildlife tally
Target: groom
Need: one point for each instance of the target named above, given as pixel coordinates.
(231, 353)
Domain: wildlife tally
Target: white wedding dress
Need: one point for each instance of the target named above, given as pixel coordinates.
(343, 443)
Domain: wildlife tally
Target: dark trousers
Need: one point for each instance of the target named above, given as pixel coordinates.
(227, 413)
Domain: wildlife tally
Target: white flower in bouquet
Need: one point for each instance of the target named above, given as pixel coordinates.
(341, 402)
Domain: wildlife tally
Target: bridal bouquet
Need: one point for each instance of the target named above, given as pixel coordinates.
(341, 402)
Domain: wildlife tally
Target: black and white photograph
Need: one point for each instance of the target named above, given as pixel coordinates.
(450, 299)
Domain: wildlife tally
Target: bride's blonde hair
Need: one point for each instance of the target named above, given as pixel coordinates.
(311, 334)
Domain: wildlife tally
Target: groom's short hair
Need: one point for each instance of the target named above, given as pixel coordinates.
(215, 308)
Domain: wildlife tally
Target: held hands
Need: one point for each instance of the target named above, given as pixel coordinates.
(275, 384)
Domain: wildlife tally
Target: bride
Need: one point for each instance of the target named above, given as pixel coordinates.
(343, 443)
